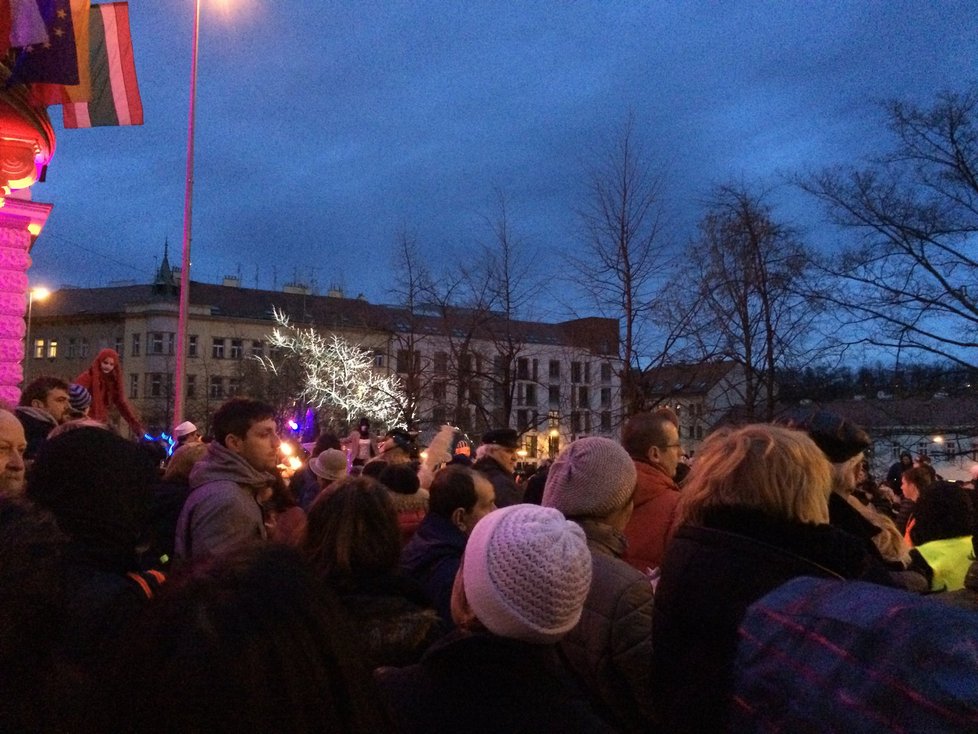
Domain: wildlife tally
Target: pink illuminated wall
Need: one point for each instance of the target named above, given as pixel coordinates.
(18, 218)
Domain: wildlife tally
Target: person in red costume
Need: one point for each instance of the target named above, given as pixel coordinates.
(103, 379)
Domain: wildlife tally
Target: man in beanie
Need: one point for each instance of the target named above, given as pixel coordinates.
(843, 443)
(458, 499)
(496, 459)
(186, 433)
(229, 483)
(592, 482)
(521, 588)
(79, 401)
(652, 440)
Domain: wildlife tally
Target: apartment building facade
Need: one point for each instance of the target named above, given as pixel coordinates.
(554, 382)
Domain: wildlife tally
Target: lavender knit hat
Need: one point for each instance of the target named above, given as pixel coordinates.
(527, 572)
(592, 477)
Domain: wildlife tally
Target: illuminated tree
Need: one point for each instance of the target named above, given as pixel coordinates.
(337, 376)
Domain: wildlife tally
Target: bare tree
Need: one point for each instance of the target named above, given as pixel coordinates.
(625, 252)
(751, 278)
(910, 271)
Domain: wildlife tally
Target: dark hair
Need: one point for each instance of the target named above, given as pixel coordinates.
(400, 478)
(38, 389)
(97, 486)
(327, 440)
(644, 430)
(374, 468)
(237, 415)
(919, 476)
(943, 511)
(249, 641)
(452, 487)
(352, 531)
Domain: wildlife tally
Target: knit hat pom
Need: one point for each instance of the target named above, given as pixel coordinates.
(527, 572)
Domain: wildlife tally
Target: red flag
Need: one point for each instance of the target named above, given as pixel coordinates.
(115, 93)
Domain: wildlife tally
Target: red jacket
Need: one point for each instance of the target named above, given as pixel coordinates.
(653, 520)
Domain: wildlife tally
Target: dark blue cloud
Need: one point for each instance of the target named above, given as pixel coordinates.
(325, 128)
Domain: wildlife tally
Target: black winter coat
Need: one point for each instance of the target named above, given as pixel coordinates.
(710, 575)
(479, 683)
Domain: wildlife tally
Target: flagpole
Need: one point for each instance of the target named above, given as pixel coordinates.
(180, 373)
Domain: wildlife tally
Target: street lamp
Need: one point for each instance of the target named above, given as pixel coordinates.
(34, 294)
(184, 306)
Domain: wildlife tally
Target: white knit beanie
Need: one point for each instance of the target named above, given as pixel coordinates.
(527, 572)
(592, 477)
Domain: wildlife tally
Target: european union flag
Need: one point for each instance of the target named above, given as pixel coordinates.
(54, 62)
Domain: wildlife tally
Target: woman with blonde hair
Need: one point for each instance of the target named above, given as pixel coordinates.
(753, 514)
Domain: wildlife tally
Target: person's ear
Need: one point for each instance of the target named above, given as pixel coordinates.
(653, 454)
(233, 443)
(458, 519)
(35, 403)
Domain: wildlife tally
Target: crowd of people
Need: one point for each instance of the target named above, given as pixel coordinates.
(768, 585)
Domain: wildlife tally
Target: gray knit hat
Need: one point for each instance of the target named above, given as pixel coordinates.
(527, 572)
(592, 477)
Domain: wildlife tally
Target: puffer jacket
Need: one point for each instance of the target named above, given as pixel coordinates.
(610, 650)
(222, 510)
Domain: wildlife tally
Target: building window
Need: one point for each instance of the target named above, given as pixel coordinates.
(378, 358)
(134, 386)
(522, 416)
(217, 348)
(531, 395)
(575, 372)
(83, 350)
(699, 431)
(583, 399)
(39, 348)
(536, 369)
(575, 422)
(217, 387)
(438, 415)
(587, 421)
(475, 392)
(441, 363)
(171, 341)
(72, 348)
(191, 386)
(587, 372)
(234, 386)
(439, 390)
(135, 344)
(522, 369)
(257, 348)
(605, 420)
(237, 349)
(408, 360)
(155, 343)
(118, 345)
(156, 383)
(553, 396)
(606, 372)
(192, 345)
(605, 397)
(52, 349)
(554, 369)
(464, 364)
